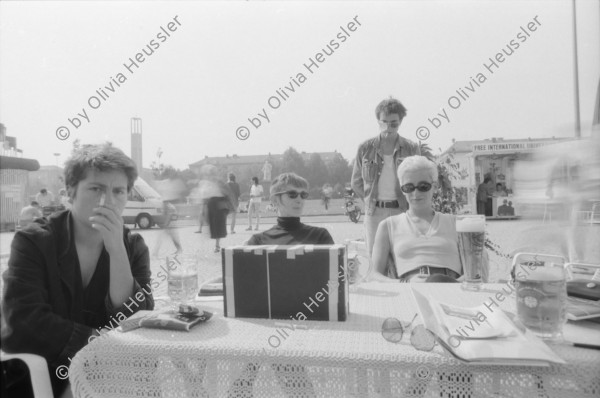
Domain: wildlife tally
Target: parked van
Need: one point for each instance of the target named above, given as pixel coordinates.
(145, 206)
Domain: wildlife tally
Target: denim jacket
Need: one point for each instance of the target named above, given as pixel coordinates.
(368, 165)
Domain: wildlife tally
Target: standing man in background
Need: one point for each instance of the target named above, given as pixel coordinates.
(256, 194)
(482, 195)
(374, 175)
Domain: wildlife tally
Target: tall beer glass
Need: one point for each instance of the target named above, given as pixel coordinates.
(471, 240)
(541, 287)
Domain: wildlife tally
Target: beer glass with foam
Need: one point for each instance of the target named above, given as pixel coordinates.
(541, 290)
(182, 278)
(471, 240)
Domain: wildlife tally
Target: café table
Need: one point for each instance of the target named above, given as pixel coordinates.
(324, 359)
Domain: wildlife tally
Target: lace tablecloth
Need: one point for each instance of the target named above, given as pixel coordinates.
(254, 357)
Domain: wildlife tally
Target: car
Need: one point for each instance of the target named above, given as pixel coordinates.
(144, 207)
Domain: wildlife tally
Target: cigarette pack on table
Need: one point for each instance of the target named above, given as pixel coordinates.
(303, 282)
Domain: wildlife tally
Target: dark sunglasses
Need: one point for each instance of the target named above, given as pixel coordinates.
(421, 187)
(294, 194)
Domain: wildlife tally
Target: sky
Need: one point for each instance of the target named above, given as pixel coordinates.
(252, 68)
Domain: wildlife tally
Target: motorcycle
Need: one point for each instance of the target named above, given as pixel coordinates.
(351, 209)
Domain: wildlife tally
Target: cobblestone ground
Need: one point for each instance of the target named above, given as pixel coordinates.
(510, 236)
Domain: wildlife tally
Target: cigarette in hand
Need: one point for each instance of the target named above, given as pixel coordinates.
(102, 198)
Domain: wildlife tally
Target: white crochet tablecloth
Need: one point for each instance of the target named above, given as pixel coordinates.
(325, 359)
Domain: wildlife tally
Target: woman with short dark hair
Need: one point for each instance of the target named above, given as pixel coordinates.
(80, 270)
(289, 192)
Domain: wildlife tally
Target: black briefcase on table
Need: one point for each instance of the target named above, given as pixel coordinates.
(302, 282)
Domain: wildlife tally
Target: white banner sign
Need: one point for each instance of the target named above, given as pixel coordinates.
(496, 147)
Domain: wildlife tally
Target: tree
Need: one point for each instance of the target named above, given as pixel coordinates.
(340, 171)
(447, 198)
(317, 171)
(158, 168)
(293, 162)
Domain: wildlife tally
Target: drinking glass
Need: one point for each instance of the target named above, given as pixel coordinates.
(541, 290)
(182, 277)
(359, 263)
(471, 241)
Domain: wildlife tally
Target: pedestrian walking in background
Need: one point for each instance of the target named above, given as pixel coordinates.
(234, 191)
(218, 204)
(374, 176)
(171, 191)
(201, 195)
(256, 194)
(327, 192)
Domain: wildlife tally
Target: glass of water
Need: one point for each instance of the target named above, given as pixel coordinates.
(182, 277)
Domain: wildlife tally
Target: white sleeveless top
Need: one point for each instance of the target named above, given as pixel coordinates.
(412, 249)
(387, 180)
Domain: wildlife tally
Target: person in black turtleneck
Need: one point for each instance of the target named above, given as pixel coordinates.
(288, 193)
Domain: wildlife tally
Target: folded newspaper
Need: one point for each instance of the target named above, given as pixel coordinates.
(479, 335)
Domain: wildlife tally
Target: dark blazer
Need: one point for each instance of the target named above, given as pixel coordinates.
(42, 304)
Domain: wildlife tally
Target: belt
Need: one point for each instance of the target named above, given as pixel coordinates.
(427, 270)
(393, 204)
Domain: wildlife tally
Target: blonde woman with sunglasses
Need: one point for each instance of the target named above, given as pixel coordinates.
(422, 242)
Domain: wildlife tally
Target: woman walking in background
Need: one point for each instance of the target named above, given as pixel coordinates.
(217, 205)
